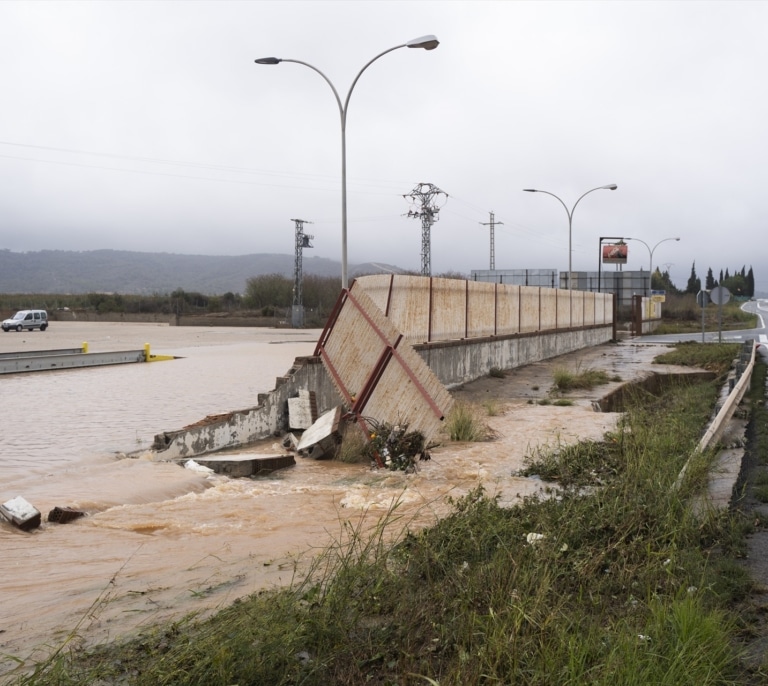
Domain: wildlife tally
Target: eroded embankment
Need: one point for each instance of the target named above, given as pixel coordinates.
(653, 384)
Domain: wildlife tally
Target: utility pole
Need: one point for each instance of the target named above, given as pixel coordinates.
(302, 241)
(493, 223)
(423, 196)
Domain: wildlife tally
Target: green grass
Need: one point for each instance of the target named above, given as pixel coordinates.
(567, 380)
(715, 357)
(681, 314)
(492, 407)
(464, 423)
(620, 584)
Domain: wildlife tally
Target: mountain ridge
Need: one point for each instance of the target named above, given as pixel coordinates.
(145, 273)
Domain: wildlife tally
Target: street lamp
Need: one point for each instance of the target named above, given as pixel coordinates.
(651, 251)
(609, 187)
(426, 43)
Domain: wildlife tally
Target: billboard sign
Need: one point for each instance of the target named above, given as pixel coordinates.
(615, 253)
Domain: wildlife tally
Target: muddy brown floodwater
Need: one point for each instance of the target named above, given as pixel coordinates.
(162, 541)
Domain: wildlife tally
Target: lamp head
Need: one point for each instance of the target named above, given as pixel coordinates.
(610, 187)
(268, 60)
(429, 42)
(530, 190)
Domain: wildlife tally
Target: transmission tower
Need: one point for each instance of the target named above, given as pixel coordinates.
(424, 197)
(493, 224)
(302, 241)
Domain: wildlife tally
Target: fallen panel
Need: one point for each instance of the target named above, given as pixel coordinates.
(322, 438)
(246, 465)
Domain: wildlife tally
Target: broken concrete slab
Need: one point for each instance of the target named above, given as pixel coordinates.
(302, 410)
(323, 438)
(246, 465)
(64, 515)
(21, 513)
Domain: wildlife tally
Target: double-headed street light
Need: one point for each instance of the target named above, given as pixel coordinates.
(609, 187)
(651, 250)
(426, 43)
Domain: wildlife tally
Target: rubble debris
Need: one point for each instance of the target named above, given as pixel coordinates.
(290, 442)
(246, 465)
(397, 448)
(20, 513)
(322, 439)
(302, 410)
(64, 515)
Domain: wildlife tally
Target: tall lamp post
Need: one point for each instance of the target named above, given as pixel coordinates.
(609, 187)
(651, 250)
(427, 43)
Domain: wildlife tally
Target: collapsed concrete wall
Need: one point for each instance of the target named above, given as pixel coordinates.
(242, 427)
(453, 362)
(468, 355)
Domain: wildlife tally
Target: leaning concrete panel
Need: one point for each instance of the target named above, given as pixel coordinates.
(379, 288)
(376, 370)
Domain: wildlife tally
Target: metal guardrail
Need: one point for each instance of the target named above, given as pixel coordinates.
(40, 353)
(72, 358)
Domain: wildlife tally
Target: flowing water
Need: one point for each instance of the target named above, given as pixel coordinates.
(159, 540)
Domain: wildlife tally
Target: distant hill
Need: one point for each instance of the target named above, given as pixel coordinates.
(122, 271)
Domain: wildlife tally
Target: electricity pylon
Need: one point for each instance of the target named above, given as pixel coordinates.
(493, 223)
(302, 241)
(423, 196)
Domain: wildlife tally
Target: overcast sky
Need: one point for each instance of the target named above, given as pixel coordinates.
(147, 126)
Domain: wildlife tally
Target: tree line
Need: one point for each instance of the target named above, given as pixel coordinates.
(272, 295)
(266, 295)
(740, 284)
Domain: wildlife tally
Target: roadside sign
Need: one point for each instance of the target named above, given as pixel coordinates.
(720, 295)
(702, 298)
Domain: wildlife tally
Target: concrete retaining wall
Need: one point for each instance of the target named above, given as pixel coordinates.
(459, 362)
(430, 309)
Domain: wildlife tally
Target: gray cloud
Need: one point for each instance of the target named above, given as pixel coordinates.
(147, 126)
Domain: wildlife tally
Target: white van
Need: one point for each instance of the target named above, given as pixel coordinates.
(27, 319)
